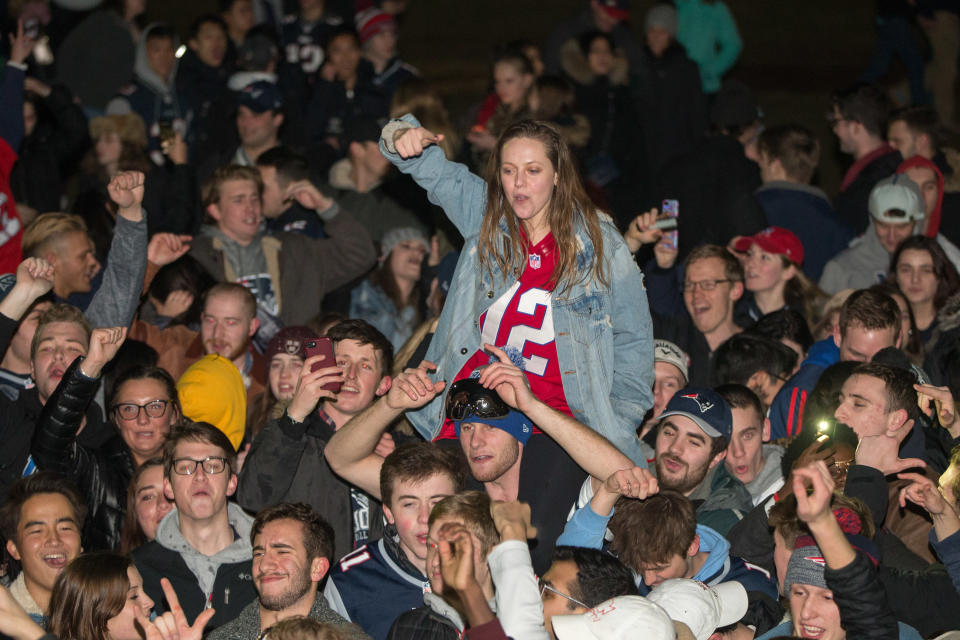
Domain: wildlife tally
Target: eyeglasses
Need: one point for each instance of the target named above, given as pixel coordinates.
(131, 411)
(704, 285)
(188, 466)
(545, 587)
(839, 467)
(468, 397)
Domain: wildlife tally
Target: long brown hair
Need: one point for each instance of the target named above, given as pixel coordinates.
(569, 207)
(90, 591)
(131, 536)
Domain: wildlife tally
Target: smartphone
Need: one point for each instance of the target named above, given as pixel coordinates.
(671, 209)
(167, 133)
(324, 347)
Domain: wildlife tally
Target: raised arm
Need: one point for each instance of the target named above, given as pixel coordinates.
(350, 451)
(116, 300)
(54, 441)
(348, 252)
(271, 464)
(450, 185)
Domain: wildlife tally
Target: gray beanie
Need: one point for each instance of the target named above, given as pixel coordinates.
(395, 236)
(806, 566)
(663, 16)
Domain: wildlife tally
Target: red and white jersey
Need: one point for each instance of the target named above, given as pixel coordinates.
(521, 323)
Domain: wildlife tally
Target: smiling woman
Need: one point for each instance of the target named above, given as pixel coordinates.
(143, 405)
(543, 275)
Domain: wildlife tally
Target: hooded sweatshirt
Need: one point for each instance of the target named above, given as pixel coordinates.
(153, 98)
(863, 264)
(202, 566)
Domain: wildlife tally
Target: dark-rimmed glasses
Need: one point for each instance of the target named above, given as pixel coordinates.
(212, 465)
(704, 285)
(131, 410)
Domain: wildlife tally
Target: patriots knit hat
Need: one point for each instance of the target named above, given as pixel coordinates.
(289, 340)
(705, 407)
(395, 236)
(663, 16)
(807, 564)
(371, 22)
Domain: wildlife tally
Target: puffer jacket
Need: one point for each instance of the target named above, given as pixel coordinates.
(861, 599)
(102, 474)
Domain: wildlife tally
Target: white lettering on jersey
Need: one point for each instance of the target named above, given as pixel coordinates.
(521, 334)
(353, 559)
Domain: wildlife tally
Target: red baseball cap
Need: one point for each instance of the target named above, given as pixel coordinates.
(776, 240)
(619, 9)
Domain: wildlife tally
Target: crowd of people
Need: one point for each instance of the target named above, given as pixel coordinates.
(288, 351)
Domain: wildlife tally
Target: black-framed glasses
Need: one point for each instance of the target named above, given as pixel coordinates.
(546, 587)
(131, 410)
(212, 465)
(468, 397)
(704, 285)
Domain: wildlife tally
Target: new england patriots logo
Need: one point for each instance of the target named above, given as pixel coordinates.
(704, 406)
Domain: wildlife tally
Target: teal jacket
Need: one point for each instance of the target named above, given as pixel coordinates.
(709, 34)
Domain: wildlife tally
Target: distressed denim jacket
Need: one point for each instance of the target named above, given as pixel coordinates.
(603, 333)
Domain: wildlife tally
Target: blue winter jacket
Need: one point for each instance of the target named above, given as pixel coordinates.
(709, 33)
(786, 412)
(603, 333)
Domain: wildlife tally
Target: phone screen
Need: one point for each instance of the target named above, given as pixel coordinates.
(670, 208)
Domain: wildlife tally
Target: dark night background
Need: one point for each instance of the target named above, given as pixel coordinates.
(795, 53)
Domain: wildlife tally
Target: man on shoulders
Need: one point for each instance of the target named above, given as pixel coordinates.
(494, 417)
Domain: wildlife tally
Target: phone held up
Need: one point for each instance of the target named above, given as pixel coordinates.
(670, 209)
(324, 347)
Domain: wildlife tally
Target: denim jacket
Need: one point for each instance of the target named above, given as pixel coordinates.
(369, 302)
(603, 333)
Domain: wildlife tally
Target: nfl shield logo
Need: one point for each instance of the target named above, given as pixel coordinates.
(534, 260)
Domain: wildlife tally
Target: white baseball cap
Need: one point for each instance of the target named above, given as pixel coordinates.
(702, 608)
(620, 618)
(898, 193)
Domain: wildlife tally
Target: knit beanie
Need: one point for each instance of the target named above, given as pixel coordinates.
(212, 390)
(289, 340)
(663, 16)
(371, 22)
(807, 564)
(395, 236)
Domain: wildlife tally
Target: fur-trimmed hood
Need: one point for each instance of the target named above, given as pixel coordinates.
(575, 64)
(949, 315)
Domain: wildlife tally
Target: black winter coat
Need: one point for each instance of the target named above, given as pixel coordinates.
(48, 155)
(851, 203)
(862, 601)
(19, 412)
(670, 104)
(102, 475)
(233, 586)
(286, 464)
